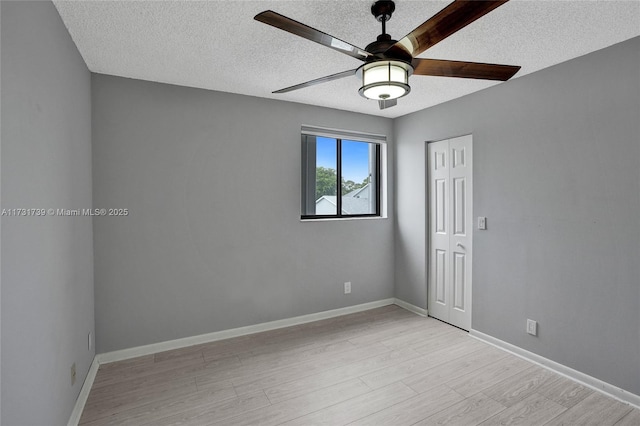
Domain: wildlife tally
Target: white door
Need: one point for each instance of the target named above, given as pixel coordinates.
(450, 227)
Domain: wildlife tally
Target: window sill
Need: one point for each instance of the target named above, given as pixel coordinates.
(332, 219)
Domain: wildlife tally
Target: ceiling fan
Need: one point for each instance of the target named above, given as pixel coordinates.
(389, 63)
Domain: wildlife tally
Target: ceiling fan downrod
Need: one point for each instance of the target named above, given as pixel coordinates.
(382, 10)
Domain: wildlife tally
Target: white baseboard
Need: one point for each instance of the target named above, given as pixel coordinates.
(411, 308)
(235, 332)
(582, 378)
(74, 419)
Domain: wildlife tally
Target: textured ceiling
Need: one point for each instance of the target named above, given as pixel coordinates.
(218, 45)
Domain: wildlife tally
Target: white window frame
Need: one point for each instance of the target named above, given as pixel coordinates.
(309, 163)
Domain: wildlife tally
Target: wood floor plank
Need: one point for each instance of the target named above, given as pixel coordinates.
(430, 346)
(104, 406)
(228, 363)
(311, 336)
(272, 378)
(307, 365)
(299, 339)
(413, 409)
(291, 357)
(329, 377)
(564, 392)
(477, 381)
(307, 336)
(120, 391)
(453, 369)
(533, 410)
(188, 353)
(288, 410)
(470, 411)
(214, 412)
(148, 383)
(390, 331)
(514, 389)
(153, 371)
(418, 365)
(127, 363)
(631, 419)
(594, 410)
(356, 408)
(419, 336)
(160, 408)
(257, 342)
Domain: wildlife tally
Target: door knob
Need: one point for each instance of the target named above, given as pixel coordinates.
(460, 245)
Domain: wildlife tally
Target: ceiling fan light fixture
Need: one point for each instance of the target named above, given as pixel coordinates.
(385, 80)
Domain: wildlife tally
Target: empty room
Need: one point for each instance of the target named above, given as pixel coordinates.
(320, 212)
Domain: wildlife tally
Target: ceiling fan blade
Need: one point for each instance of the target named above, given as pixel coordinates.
(444, 68)
(384, 104)
(452, 18)
(294, 27)
(324, 79)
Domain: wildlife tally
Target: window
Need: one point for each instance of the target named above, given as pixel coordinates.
(340, 175)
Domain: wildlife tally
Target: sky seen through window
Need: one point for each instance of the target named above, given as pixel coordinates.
(355, 157)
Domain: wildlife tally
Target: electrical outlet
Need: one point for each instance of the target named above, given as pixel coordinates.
(347, 287)
(532, 327)
(73, 374)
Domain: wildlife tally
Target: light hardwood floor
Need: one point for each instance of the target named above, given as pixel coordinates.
(381, 367)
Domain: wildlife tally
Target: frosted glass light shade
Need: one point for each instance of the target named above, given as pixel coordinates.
(385, 80)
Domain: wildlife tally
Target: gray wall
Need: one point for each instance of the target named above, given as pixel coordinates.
(214, 238)
(47, 269)
(557, 174)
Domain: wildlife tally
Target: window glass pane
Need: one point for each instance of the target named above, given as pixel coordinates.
(326, 176)
(358, 174)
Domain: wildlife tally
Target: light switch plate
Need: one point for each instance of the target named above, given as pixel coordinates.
(482, 222)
